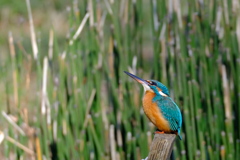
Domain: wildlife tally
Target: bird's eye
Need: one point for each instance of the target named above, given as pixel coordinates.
(153, 83)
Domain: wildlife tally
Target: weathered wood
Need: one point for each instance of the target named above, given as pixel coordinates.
(161, 147)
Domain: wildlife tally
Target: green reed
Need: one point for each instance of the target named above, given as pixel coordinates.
(93, 110)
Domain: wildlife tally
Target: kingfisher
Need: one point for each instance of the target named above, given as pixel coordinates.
(160, 109)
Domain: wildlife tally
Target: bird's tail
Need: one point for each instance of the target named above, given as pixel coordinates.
(179, 136)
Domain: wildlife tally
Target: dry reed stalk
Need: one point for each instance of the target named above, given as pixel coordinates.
(226, 14)
(218, 21)
(111, 57)
(91, 13)
(50, 44)
(19, 145)
(80, 28)
(44, 86)
(108, 7)
(226, 98)
(89, 104)
(119, 133)
(64, 127)
(122, 8)
(235, 6)
(101, 22)
(149, 138)
(38, 148)
(9, 119)
(163, 54)
(14, 71)
(177, 8)
(112, 142)
(105, 120)
(238, 30)
(55, 129)
(155, 15)
(32, 32)
(125, 18)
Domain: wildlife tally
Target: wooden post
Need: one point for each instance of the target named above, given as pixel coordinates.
(161, 147)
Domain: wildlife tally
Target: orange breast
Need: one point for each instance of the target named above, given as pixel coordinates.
(153, 112)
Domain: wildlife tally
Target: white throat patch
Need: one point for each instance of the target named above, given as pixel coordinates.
(146, 87)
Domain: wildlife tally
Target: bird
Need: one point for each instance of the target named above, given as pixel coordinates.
(159, 107)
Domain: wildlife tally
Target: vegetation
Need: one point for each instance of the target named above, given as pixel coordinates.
(70, 99)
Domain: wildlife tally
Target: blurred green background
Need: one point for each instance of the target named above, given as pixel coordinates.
(64, 94)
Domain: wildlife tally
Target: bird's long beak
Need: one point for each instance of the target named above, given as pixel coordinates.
(140, 80)
(144, 83)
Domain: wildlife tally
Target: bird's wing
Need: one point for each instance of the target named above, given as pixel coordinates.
(171, 113)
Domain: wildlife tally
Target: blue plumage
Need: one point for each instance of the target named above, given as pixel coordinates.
(171, 113)
(169, 109)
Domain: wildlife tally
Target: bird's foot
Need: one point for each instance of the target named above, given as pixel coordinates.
(159, 132)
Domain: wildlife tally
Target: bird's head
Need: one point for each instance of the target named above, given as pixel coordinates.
(151, 85)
